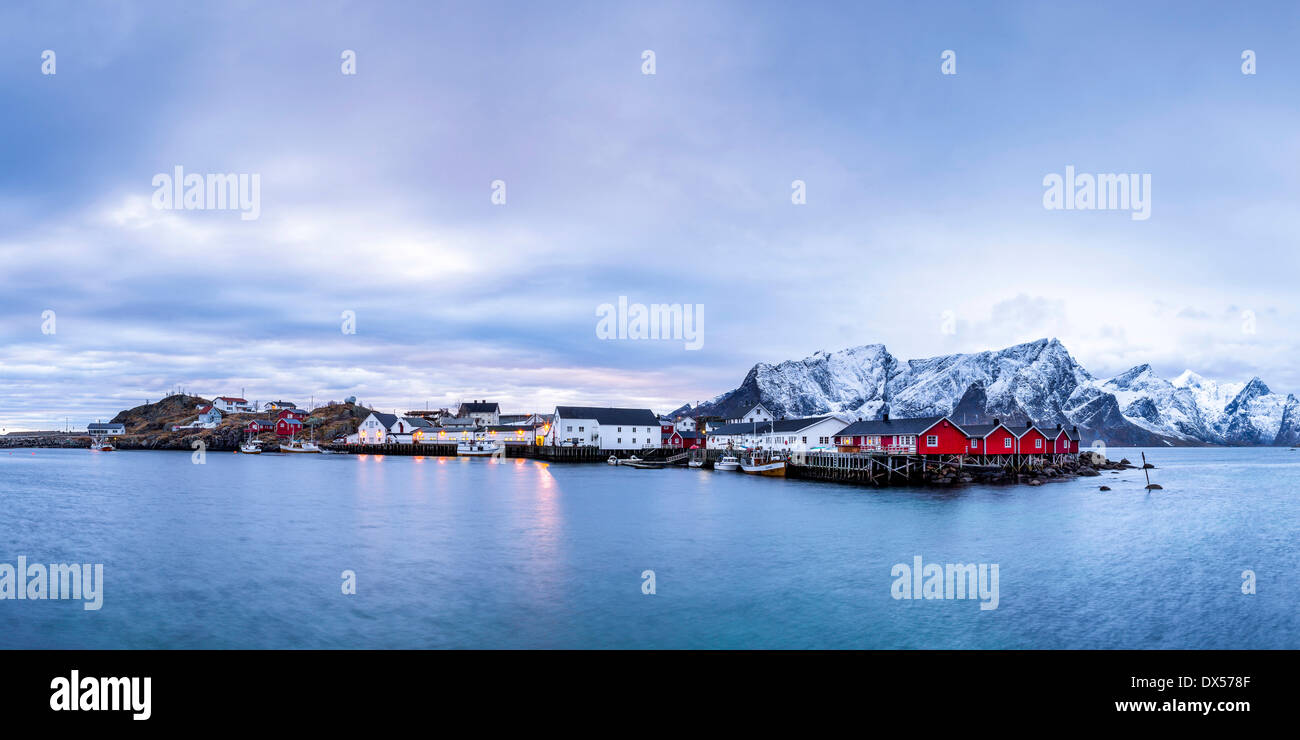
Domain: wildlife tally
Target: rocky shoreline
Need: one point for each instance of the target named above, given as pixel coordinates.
(1089, 464)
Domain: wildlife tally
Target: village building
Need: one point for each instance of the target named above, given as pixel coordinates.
(757, 412)
(459, 424)
(292, 413)
(482, 412)
(410, 429)
(510, 434)
(802, 434)
(990, 439)
(287, 427)
(885, 435)
(106, 429)
(374, 429)
(210, 417)
(606, 428)
(681, 440)
(1032, 440)
(257, 426)
(1059, 441)
(233, 405)
(1072, 440)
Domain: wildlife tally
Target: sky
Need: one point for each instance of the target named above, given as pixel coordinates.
(923, 226)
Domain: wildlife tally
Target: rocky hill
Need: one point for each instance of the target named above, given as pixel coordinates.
(149, 426)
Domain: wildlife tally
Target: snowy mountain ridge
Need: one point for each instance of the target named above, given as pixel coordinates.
(1037, 380)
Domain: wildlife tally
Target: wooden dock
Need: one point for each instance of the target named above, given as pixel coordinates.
(874, 469)
(885, 469)
(418, 449)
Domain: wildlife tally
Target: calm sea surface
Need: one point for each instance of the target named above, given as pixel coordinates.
(248, 552)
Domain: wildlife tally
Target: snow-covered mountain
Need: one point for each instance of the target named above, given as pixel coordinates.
(1037, 380)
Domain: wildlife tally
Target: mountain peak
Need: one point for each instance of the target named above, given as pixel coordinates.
(1036, 380)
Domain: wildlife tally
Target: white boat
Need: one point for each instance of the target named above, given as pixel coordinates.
(695, 463)
(101, 447)
(250, 448)
(727, 462)
(298, 445)
(479, 449)
(612, 460)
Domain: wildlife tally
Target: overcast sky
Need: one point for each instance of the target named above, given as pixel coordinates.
(924, 194)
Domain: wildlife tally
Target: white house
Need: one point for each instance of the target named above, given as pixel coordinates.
(482, 412)
(375, 428)
(606, 428)
(106, 429)
(684, 424)
(232, 405)
(785, 434)
(756, 413)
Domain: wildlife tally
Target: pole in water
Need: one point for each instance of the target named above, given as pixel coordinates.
(1147, 471)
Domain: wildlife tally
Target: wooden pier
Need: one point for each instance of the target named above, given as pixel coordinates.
(875, 469)
(884, 469)
(420, 449)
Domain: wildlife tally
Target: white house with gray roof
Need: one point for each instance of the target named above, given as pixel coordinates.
(605, 427)
(757, 412)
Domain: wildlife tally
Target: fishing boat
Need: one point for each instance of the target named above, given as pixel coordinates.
(250, 448)
(763, 465)
(615, 460)
(298, 445)
(101, 447)
(727, 462)
(479, 448)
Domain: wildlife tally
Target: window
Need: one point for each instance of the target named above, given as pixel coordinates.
(1038, 443)
(634, 440)
(582, 429)
(620, 440)
(1006, 442)
(569, 428)
(973, 444)
(620, 429)
(805, 440)
(931, 440)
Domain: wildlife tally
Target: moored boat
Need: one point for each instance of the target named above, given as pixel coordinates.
(101, 447)
(695, 463)
(250, 448)
(727, 462)
(298, 445)
(763, 465)
(479, 449)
